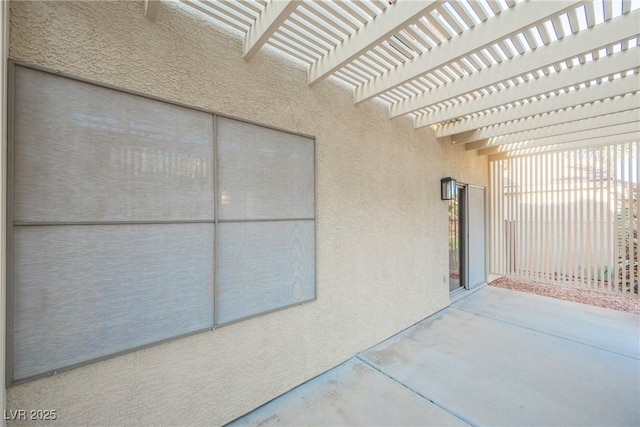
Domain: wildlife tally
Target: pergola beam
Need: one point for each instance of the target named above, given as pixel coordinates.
(593, 70)
(584, 135)
(585, 41)
(595, 110)
(392, 20)
(594, 142)
(495, 29)
(151, 9)
(585, 95)
(272, 17)
(595, 123)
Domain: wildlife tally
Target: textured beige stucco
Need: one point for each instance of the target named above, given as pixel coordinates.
(381, 227)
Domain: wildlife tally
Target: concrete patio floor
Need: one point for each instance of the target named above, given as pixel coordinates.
(496, 358)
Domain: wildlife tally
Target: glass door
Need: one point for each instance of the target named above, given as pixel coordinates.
(456, 239)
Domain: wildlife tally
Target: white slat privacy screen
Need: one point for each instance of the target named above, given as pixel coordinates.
(113, 228)
(568, 217)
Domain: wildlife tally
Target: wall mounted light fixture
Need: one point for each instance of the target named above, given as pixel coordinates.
(447, 188)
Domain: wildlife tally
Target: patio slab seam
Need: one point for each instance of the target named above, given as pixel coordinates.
(543, 332)
(525, 391)
(427, 398)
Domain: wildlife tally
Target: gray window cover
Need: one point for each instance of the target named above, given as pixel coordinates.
(113, 229)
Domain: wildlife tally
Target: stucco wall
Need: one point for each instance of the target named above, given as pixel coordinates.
(381, 228)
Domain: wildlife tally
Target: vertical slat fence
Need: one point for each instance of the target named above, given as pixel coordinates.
(568, 217)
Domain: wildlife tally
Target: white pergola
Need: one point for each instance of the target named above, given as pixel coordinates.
(495, 75)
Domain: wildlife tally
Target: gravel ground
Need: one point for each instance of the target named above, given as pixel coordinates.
(613, 302)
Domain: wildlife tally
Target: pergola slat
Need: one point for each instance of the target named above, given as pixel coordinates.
(619, 62)
(567, 48)
(594, 142)
(500, 68)
(584, 112)
(611, 89)
(383, 26)
(274, 14)
(598, 122)
(495, 29)
(564, 138)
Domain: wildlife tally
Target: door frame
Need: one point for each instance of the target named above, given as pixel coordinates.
(464, 221)
(468, 232)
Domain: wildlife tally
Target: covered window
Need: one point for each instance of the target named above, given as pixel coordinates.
(133, 221)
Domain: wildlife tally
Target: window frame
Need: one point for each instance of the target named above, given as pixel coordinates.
(12, 64)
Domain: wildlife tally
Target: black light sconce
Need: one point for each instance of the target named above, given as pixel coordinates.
(448, 188)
